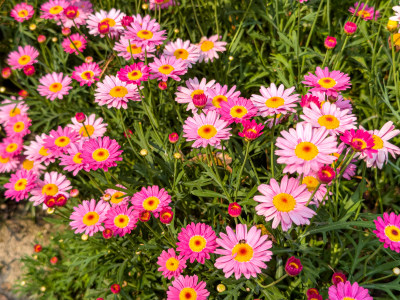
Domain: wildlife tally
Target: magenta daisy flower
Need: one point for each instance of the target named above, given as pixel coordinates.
(101, 153)
(305, 148)
(88, 216)
(53, 184)
(115, 93)
(37, 152)
(348, 291)
(160, 4)
(152, 199)
(360, 141)
(171, 264)
(20, 184)
(112, 18)
(22, 12)
(24, 56)
(18, 126)
(84, 8)
(206, 130)
(363, 11)
(237, 109)
(193, 87)
(388, 231)
(134, 74)
(117, 197)
(167, 67)
(187, 287)
(145, 33)
(134, 51)
(312, 182)
(8, 164)
(328, 82)
(87, 73)
(244, 252)
(12, 108)
(284, 203)
(209, 48)
(54, 85)
(121, 219)
(251, 130)
(72, 159)
(94, 127)
(196, 242)
(219, 94)
(32, 166)
(275, 100)
(183, 50)
(73, 42)
(53, 9)
(60, 140)
(11, 147)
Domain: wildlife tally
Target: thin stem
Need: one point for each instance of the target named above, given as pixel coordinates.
(128, 136)
(313, 194)
(272, 147)
(272, 283)
(241, 168)
(371, 257)
(197, 20)
(377, 279)
(216, 17)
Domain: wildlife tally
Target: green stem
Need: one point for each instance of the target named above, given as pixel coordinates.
(377, 279)
(216, 17)
(197, 20)
(128, 136)
(313, 194)
(272, 283)
(272, 147)
(371, 257)
(241, 168)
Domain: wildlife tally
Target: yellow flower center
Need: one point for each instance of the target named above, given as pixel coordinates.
(145, 34)
(393, 233)
(87, 74)
(19, 126)
(22, 13)
(20, 185)
(151, 203)
(378, 142)
(172, 264)
(216, 101)
(292, 264)
(11, 147)
(91, 218)
(43, 151)
(244, 252)
(100, 154)
(14, 112)
(135, 75)
(117, 197)
(89, 129)
(284, 202)
(339, 278)
(311, 183)
(181, 53)
(77, 158)
(118, 91)
(62, 141)
(77, 44)
(55, 87)
(327, 82)
(50, 189)
(348, 298)
(238, 111)
(329, 122)
(27, 164)
(207, 131)
(206, 46)
(4, 160)
(166, 69)
(197, 243)
(363, 14)
(188, 294)
(121, 221)
(196, 92)
(306, 151)
(134, 49)
(55, 10)
(274, 102)
(24, 60)
(109, 21)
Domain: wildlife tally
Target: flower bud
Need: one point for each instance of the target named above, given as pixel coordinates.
(177, 155)
(80, 117)
(230, 58)
(61, 200)
(392, 26)
(54, 39)
(115, 288)
(200, 101)
(37, 248)
(145, 6)
(88, 59)
(74, 193)
(23, 93)
(350, 28)
(53, 260)
(166, 215)
(234, 209)
(221, 288)
(162, 85)
(143, 152)
(173, 138)
(32, 27)
(41, 38)
(42, 288)
(107, 233)
(338, 277)
(6, 72)
(29, 70)
(51, 210)
(2, 89)
(84, 237)
(71, 12)
(144, 216)
(106, 197)
(50, 201)
(126, 21)
(293, 266)
(330, 42)
(65, 31)
(104, 27)
(396, 271)
(326, 174)
(176, 30)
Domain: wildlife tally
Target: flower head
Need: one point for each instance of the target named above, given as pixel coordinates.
(350, 28)
(151, 199)
(234, 209)
(135, 73)
(218, 94)
(74, 44)
(237, 109)
(251, 130)
(209, 48)
(22, 12)
(54, 85)
(183, 50)
(88, 217)
(330, 42)
(115, 288)
(388, 231)
(91, 127)
(18, 127)
(20, 184)
(364, 12)
(72, 159)
(171, 264)
(145, 33)
(53, 184)
(24, 56)
(121, 219)
(326, 174)
(360, 141)
(346, 290)
(167, 67)
(111, 18)
(166, 215)
(60, 140)
(187, 287)
(53, 9)
(293, 266)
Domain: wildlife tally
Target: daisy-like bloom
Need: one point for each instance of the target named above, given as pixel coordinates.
(32, 166)
(87, 73)
(388, 231)
(37, 152)
(152, 199)
(53, 184)
(311, 181)
(328, 82)
(72, 158)
(334, 120)
(244, 252)
(20, 184)
(188, 288)
(237, 109)
(121, 219)
(8, 164)
(196, 242)
(275, 100)
(338, 277)
(206, 130)
(53, 9)
(363, 11)
(157, 4)
(134, 74)
(284, 203)
(166, 215)
(326, 174)
(115, 288)
(73, 43)
(306, 101)
(12, 108)
(22, 12)
(11, 147)
(18, 126)
(145, 33)
(84, 8)
(167, 67)
(144, 216)
(209, 48)
(183, 50)
(396, 17)
(219, 94)
(94, 127)
(112, 18)
(101, 153)
(134, 51)
(54, 85)
(171, 264)
(60, 140)
(193, 87)
(360, 141)
(22, 57)
(251, 130)
(117, 197)
(305, 148)
(293, 266)
(115, 93)
(313, 292)
(350, 169)
(348, 291)
(88, 216)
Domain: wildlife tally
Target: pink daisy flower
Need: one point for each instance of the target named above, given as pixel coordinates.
(121, 219)
(193, 87)
(134, 51)
(219, 94)
(275, 100)
(32, 166)
(187, 287)
(171, 264)
(73, 42)
(134, 74)
(305, 148)
(344, 291)
(206, 130)
(20, 184)
(152, 199)
(237, 109)
(364, 12)
(53, 184)
(94, 127)
(360, 141)
(117, 197)
(18, 126)
(183, 50)
(209, 48)
(113, 19)
(24, 56)
(60, 140)
(53, 9)
(11, 147)
(115, 93)
(157, 4)
(12, 108)
(72, 159)
(101, 153)
(284, 203)
(37, 152)
(311, 181)
(388, 231)
(54, 85)
(350, 169)
(22, 12)
(87, 73)
(251, 130)
(328, 82)
(84, 8)
(334, 120)
(196, 242)
(167, 67)
(88, 216)
(8, 164)
(244, 252)
(145, 33)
